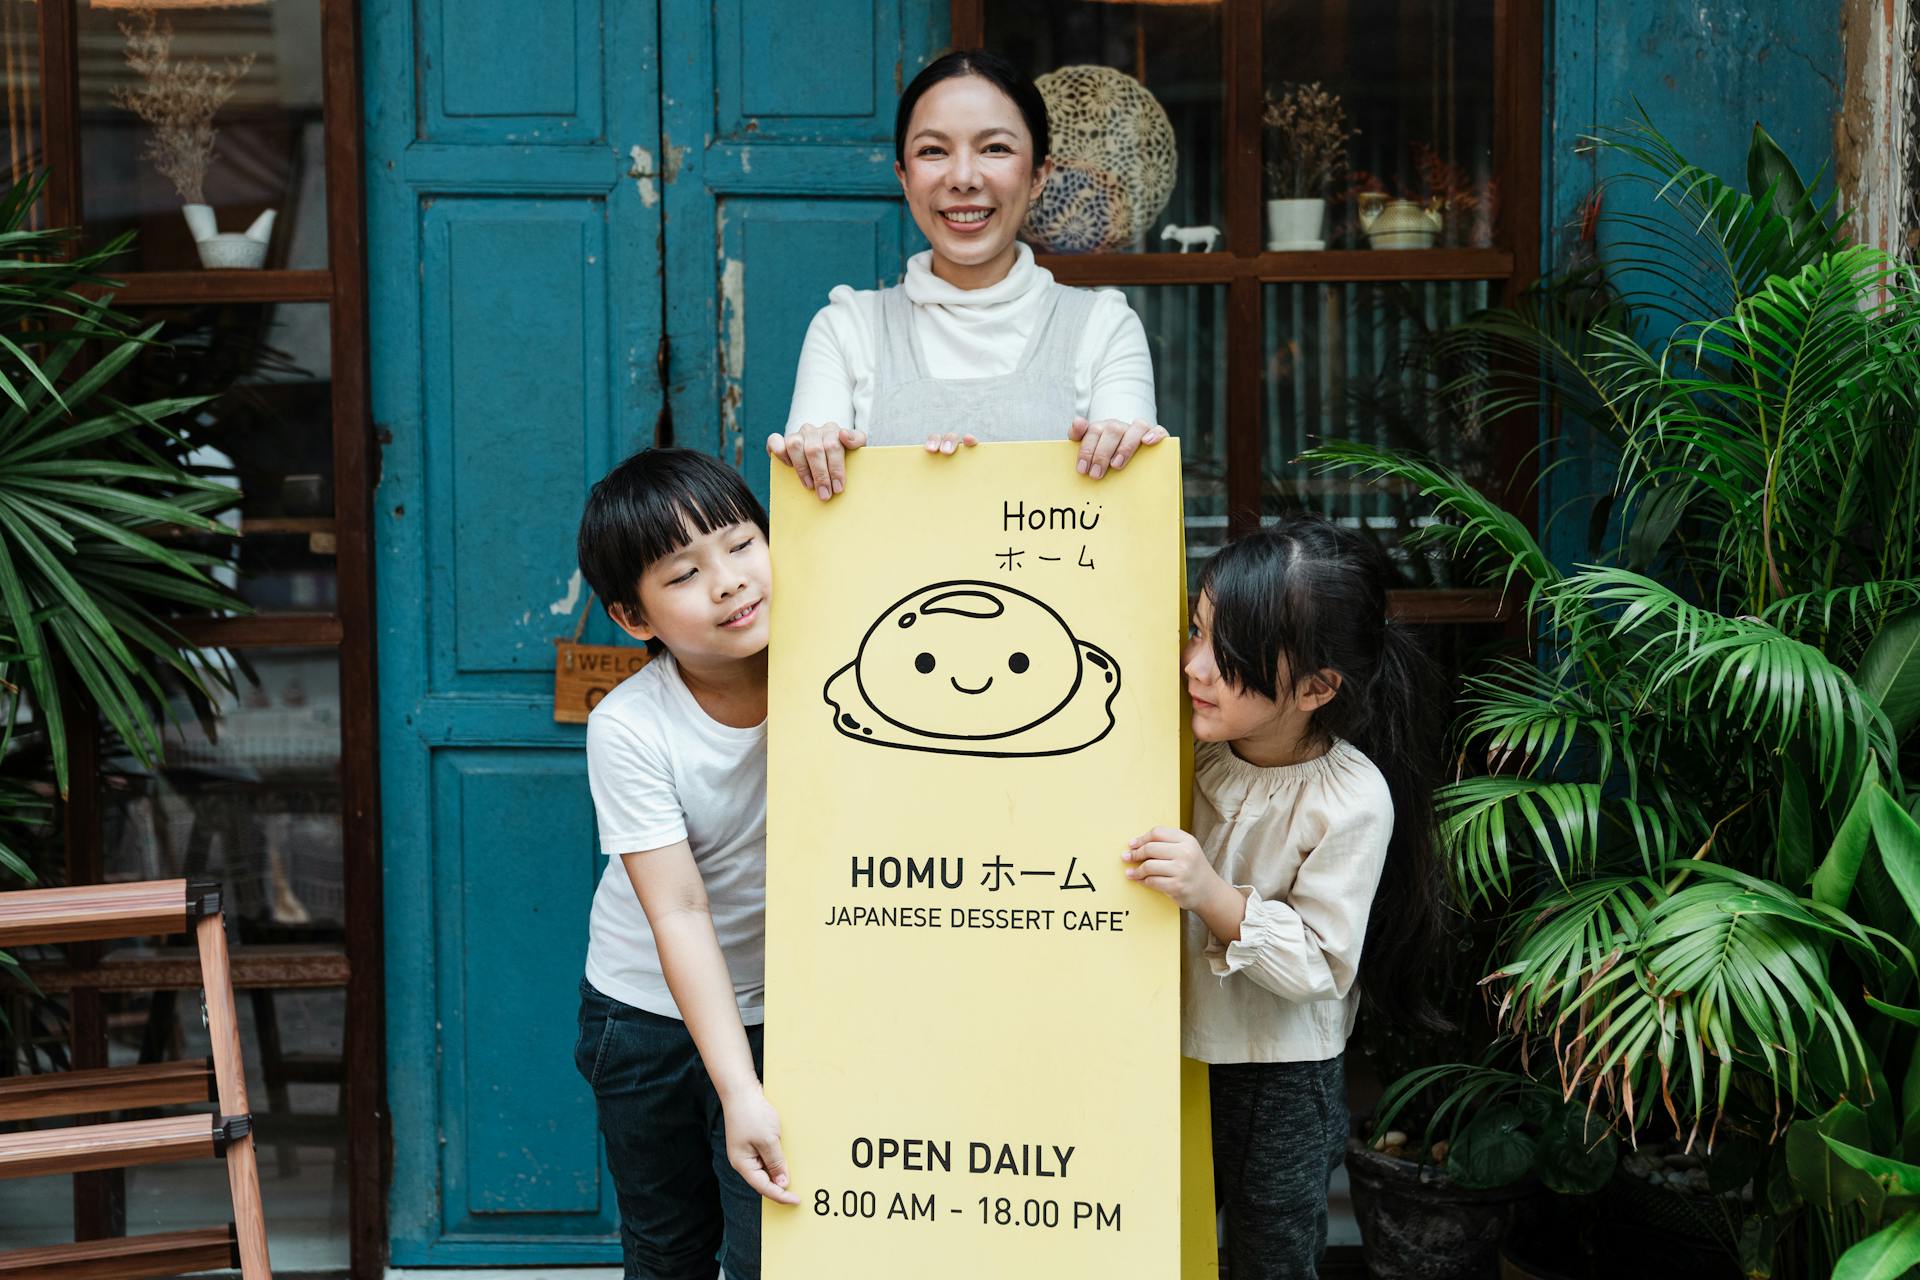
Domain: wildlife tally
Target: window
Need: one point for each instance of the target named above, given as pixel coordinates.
(272, 791)
(1263, 343)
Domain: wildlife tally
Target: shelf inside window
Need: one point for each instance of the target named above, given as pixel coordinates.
(159, 288)
(1324, 264)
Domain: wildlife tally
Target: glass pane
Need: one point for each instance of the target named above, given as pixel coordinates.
(20, 46)
(1359, 362)
(1122, 175)
(1187, 335)
(268, 430)
(1415, 78)
(293, 1044)
(252, 799)
(149, 81)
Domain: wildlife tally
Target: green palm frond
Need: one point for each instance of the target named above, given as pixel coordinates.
(1692, 662)
(1642, 990)
(1471, 522)
(92, 500)
(1746, 238)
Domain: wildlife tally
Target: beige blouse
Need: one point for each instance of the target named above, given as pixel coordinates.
(1309, 841)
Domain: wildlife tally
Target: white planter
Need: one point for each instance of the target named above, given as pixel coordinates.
(228, 250)
(1295, 224)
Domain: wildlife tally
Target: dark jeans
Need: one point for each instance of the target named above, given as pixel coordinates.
(1279, 1132)
(682, 1207)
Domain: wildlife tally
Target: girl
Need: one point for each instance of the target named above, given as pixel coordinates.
(978, 342)
(1316, 719)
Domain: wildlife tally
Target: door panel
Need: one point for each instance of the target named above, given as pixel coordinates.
(521, 185)
(784, 187)
(515, 305)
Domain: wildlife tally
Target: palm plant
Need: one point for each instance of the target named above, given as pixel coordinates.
(92, 494)
(1693, 812)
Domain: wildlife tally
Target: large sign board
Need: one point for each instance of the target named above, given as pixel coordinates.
(973, 1015)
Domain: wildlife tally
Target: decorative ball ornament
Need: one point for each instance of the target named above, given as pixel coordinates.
(1113, 162)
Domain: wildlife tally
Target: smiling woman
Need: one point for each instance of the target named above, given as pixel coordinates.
(978, 342)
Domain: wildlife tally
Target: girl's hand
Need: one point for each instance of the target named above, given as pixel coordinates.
(1107, 444)
(1171, 862)
(949, 443)
(753, 1146)
(818, 455)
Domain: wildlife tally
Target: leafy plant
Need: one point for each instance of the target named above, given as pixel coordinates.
(1693, 812)
(91, 496)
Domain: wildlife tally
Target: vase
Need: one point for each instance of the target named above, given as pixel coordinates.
(1295, 224)
(245, 250)
(1399, 224)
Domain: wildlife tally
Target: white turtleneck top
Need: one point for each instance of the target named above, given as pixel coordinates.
(969, 333)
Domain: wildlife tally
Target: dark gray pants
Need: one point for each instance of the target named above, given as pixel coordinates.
(683, 1210)
(1279, 1132)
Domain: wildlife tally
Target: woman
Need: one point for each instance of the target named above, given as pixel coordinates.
(978, 342)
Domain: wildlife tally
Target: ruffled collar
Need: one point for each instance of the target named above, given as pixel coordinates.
(925, 289)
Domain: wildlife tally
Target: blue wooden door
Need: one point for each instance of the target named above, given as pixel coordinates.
(778, 120)
(528, 162)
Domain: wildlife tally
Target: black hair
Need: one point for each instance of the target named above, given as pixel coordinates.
(1308, 594)
(649, 507)
(996, 71)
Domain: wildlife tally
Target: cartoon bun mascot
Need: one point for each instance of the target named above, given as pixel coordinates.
(974, 669)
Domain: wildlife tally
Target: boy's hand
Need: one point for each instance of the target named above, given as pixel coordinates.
(1107, 444)
(818, 455)
(753, 1146)
(1171, 862)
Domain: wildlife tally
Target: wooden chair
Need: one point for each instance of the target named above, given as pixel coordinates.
(89, 913)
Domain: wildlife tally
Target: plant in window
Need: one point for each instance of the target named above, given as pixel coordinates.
(178, 98)
(1699, 821)
(1307, 138)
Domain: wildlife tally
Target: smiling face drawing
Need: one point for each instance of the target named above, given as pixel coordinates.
(972, 668)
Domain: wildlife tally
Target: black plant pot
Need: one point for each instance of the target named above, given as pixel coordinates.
(1415, 1224)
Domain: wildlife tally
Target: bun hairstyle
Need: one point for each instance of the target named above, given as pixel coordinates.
(996, 71)
(1308, 594)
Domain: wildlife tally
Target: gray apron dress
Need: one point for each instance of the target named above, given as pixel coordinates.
(1034, 402)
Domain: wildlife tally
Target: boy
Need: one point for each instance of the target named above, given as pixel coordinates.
(676, 546)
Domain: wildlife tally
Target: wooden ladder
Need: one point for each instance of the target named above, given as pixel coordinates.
(98, 913)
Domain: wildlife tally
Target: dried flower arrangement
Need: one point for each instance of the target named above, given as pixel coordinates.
(178, 99)
(1309, 134)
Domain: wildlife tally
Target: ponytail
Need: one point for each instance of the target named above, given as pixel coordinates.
(1406, 928)
(1309, 595)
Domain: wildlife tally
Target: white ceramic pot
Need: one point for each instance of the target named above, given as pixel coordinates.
(228, 250)
(1295, 224)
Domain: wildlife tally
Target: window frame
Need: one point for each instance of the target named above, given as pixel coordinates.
(347, 629)
(1244, 267)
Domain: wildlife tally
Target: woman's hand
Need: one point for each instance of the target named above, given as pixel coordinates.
(949, 443)
(753, 1145)
(1107, 444)
(818, 455)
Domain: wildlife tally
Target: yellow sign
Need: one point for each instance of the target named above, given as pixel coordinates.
(973, 1037)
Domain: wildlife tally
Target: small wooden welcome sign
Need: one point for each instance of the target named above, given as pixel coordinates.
(585, 673)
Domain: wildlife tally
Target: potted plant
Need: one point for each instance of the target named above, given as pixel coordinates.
(178, 99)
(1306, 150)
(1697, 828)
(1441, 1209)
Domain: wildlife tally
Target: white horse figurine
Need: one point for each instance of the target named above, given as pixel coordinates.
(1187, 237)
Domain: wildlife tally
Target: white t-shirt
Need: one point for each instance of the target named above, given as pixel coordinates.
(970, 333)
(663, 770)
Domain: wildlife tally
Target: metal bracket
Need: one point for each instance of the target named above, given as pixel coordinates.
(229, 1130)
(203, 898)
